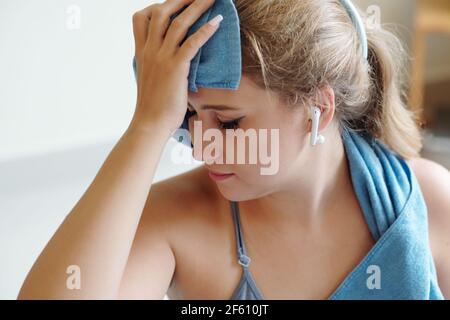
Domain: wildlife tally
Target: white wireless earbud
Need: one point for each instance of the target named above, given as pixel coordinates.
(315, 118)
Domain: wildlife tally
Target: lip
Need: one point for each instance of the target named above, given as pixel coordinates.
(220, 176)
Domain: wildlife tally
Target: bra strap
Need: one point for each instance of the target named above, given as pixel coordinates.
(243, 258)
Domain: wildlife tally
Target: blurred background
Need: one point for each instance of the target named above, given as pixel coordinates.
(67, 93)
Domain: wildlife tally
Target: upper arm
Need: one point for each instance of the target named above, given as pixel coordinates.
(151, 262)
(434, 181)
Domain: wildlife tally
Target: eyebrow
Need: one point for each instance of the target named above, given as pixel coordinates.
(219, 107)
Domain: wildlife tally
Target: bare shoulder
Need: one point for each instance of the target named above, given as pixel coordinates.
(184, 198)
(192, 214)
(434, 181)
(184, 188)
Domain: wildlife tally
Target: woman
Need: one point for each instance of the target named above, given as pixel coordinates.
(305, 230)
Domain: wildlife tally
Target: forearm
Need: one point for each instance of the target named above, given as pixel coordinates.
(98, 233)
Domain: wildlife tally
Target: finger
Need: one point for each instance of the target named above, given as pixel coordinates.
(191, 46)
(181, 24)
(161, 19)
(141, 21)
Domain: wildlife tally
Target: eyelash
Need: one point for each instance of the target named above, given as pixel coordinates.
(234, 124)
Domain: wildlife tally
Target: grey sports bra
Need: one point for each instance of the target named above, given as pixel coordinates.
(247, 289)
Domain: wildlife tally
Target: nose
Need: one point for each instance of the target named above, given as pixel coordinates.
(211, 150)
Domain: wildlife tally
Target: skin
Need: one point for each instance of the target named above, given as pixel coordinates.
(303, 227)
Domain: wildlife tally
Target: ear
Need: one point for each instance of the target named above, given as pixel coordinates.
(325, 100)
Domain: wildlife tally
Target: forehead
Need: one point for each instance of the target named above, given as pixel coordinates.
(248, 93)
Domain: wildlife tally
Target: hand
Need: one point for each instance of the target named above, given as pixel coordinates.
(162, 64)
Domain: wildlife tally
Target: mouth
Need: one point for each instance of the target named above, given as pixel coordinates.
(218, 176)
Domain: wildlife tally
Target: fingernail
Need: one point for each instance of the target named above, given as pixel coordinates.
(216, 20)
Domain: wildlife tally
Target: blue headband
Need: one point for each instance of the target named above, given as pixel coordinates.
(359, 25)
(218, 64)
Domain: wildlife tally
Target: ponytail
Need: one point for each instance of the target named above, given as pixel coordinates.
(388, 117)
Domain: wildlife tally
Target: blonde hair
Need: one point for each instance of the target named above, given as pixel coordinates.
(296, 47)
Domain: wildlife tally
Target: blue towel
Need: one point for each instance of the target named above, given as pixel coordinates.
(218, 63)
(396, 214)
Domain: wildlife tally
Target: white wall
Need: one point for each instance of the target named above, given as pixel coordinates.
(63, 87)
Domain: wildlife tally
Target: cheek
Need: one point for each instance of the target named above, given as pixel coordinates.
(281, 151)
(294, 140)
(271, 167)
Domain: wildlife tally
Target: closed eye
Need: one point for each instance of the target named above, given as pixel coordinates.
(233, 124)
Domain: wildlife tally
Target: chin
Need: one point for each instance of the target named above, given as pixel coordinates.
(232, 193)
